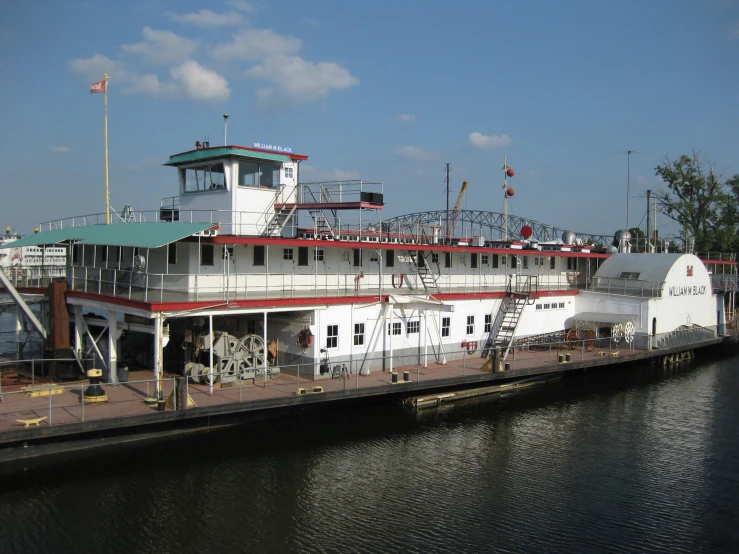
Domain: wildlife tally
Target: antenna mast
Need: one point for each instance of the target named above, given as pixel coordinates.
(225, 130)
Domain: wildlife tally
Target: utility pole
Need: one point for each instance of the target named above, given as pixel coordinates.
(448, 169)
(628, 184)
(649, 221)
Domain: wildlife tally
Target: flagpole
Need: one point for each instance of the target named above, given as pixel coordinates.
(107, 190)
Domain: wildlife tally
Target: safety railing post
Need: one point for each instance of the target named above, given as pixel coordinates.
(49, 405)
(33, 372)
(82, 400)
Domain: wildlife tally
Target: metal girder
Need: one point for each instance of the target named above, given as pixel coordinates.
(489, 224)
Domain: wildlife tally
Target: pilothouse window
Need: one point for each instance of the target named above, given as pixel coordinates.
(205, 178)
(257, 174)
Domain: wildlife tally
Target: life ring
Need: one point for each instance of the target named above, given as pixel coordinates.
(572, 275)
(305, 338)
(397, 280)
(471, 346)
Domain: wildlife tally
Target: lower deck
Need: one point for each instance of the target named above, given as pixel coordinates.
(64, 413)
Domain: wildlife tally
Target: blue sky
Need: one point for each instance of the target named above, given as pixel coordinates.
(387, 91)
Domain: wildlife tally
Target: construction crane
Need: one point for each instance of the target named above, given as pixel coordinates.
(457, 209)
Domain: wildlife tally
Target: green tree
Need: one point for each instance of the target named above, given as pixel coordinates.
(706, 207)
(638, 240)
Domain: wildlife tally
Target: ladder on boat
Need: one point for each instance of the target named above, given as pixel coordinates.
(427, 277)
(278, 221)
(503, 329)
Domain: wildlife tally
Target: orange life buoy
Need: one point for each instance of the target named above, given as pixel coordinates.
(305, 338)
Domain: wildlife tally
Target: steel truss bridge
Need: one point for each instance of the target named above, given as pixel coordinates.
(471, 223)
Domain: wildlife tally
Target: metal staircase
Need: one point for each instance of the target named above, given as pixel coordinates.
(503, 328)
(278, 221)
(321, 223)
(423, 269)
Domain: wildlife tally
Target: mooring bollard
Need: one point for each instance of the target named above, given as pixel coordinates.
(560, 358)
(406, 376)
(394, 378)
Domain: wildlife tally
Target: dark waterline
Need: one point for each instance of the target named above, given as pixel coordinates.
(637, 460)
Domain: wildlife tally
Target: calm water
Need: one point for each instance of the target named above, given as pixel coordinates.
(645, 461)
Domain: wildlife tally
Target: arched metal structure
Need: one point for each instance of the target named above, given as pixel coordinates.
(472, 223)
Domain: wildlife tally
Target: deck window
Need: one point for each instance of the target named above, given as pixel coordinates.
(258, 174)
(495, 261)
(206, 255)
(552, 263)
(172, 253)
(287, 253)
(389, 258)
(318, 255)
(488, 322)
(396, 328)
(525, 262)
(332, 336)
(205, 178)
(470, 325)
(289, 173)
(473, 260)
(358, 334)
(628, 275)
(446, 326)
(357, 257)
(258, 255)
(571, 264)
(484, 259)
(413, 326)
(447, 259)
(302, 255)
(514, 262)
(435, 258)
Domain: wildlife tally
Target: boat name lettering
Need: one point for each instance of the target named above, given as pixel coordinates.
(275, 147)
(689, 290)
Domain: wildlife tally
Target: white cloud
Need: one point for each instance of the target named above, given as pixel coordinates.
(407, 118)
(208, 18)
(256, 44)
(310, 22)
(310, 172)
(161, 47)
(415, 153)
(199, 83)
(299, 80)
(59, 149)
(192, 81)
(94, 67)
(488, 142)
(242, 5)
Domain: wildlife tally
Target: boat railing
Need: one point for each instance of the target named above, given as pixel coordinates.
(724, 282)
(327, 192)
(627, 287)
(168, 287)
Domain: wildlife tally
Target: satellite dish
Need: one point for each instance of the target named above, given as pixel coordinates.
(139, 262)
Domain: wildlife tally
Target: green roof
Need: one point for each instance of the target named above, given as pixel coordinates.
(222, 152)
(141, 235)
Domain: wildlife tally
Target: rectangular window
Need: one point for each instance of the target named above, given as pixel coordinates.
(287, 253)
(344, 255)
(76, 254)
(302, 255)
(253, 174)
(413, 326)
(525, 262)
(552, 263)
(332, 336)
(318, 255)
(538, 306)
(546, 306)
(514, 262)
(374, 256)
(446, 326)
(484, 259)
(473, 260)
(396, 328)
(206, 254)
(495, 260)
(435, 258)
(205, 178)
(228, 250)
(470, 325)
(289, 173)
(258, 254)
(389, 258)
(358, 334)
(561, 304)
(172, 254)
(357, 257)
(488, 322)
(447, 259)
(571, 264)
